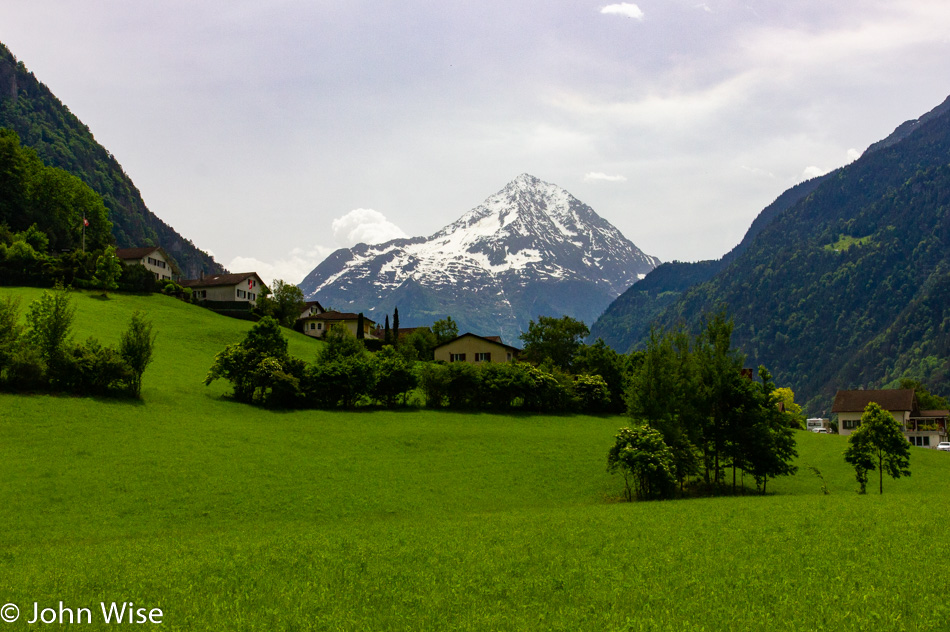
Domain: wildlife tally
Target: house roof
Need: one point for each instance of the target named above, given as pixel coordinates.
(315, 304)
(217, 280)
(137, 253)
(888, 399)
(492, 339)
(338, 316)
(935, 413)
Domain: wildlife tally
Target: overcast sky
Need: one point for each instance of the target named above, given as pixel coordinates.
(275, 131)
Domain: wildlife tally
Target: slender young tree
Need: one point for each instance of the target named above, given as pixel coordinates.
(387, 335)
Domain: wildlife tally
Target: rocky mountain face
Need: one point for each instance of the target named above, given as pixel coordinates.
(61, 140)
(531, 249)
(844, 285)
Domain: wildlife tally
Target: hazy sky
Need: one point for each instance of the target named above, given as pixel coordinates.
(272, 132)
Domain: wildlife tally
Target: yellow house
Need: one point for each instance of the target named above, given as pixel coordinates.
(240, 287)
(472, 348)
(319, 323)
(153, 258)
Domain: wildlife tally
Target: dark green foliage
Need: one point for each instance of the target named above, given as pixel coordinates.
(878, 444)
(592, 394)
(61, 140)
(136, 278)
(253, 365)
(502, 386)
(395, 327)
(599, 359)
(445, 329)
(463, 386)
(49, 321)
(387, 334)
(394, 376)
(434, 381)
(285, 303)
(711, 416)
(108, 270)
(554, 339)
(136, 346)
(645, 462)
(423, 341)
(93, 369)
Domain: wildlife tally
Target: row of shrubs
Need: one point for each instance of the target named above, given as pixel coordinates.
(345, 375)
(43, 357)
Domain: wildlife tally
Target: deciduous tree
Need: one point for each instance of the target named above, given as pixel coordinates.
(878, 444)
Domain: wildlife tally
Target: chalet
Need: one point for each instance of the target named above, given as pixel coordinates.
(924, 428)
(472, 348)
(241, 287)
(318, 324)
(153, 258)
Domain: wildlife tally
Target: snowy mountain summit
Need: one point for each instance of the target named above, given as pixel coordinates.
(531, 249)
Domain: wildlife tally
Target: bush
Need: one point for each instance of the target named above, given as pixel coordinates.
(137, 278)
(90, 368)
(434, 381)
(136, 349)
(645, 461)
(463, 385)
(592, 394)
(503, 386)
(393, 376)
(24, 369)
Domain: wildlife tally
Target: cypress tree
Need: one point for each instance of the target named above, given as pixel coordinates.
(387, 339)
(359, 327)
(395, 326)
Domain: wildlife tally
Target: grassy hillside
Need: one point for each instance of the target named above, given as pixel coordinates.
(231, 517)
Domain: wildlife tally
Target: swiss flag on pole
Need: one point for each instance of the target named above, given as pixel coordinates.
(85, 222)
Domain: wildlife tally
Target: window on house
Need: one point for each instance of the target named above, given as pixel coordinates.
(850, 424)
(456, 357)
(483, 357)
(251, 296)
(319, 325)
(241, 294)
(920, 442)
(509, 356)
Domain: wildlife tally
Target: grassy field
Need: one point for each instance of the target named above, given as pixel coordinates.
(232, 518)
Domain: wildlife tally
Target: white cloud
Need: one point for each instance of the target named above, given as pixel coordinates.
(705, 7)
(292, 268)
(625, 9)
(813, 172)
(594, 176)
(366, 226)
(853, 154)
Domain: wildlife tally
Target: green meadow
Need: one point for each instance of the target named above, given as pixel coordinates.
(228, 517)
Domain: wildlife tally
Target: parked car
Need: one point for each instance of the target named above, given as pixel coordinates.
(820, 430)
(944, 446)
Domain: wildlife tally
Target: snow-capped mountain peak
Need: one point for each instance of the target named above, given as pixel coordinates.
(511, 251)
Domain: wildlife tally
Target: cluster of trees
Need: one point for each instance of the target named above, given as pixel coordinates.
(697, 414)
(345, 374)
(43, 357)
(53, 227)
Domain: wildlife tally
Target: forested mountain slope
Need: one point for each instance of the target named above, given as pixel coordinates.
(848, 287)
(44, 123)
(627, 320)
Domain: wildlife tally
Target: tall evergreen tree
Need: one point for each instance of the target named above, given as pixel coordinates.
(359, 327)
(395, 326)
(387, 335)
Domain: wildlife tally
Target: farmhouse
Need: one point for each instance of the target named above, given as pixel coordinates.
(241, 287)
(924, 428)
(472, 348)
(319, 323)
(153, 258)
